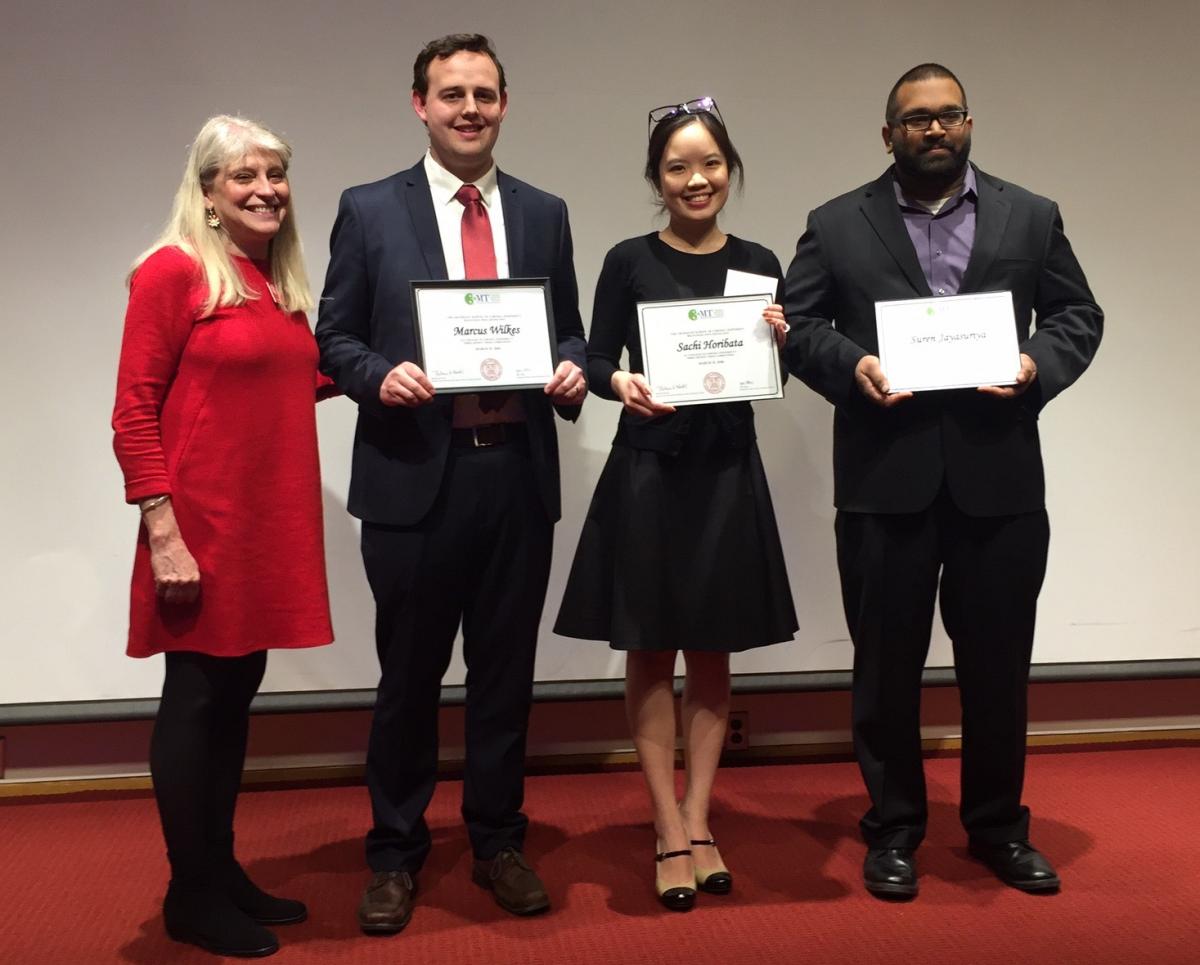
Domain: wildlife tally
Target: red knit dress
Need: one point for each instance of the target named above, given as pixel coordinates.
(219, 411)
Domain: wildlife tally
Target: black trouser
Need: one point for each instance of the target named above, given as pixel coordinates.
(990, 571)
(197, 751)
(481, 556)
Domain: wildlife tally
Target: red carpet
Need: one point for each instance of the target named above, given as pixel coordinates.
(82, 880)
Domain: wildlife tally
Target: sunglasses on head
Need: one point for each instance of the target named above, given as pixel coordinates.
(701, 105)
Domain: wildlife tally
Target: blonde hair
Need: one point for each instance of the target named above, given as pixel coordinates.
(223, 140)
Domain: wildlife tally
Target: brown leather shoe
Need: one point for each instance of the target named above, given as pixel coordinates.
(515, 885)
(387, 904)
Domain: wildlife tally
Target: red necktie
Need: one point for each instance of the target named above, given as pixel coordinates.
(479, 253)
(479, 261)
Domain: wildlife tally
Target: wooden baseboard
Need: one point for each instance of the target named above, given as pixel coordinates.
(612, 760)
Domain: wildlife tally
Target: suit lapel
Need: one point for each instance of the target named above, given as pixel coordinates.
(514, 224)
(881, 210)
(991, 218)
(419, 203)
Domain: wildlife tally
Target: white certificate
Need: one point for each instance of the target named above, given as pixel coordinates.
(484, 335)
(700, 350)
(953, 342)
(748, 283)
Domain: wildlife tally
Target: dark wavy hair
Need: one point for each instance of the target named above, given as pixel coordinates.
(661, 135)
(447, 46)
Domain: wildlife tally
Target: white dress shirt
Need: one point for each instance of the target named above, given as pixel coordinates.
(443, 186)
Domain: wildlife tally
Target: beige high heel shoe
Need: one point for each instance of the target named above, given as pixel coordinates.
(718, 881)
(675, 897)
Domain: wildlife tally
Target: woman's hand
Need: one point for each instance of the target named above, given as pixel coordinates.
(773, 316)
(632, 390)
(176, 575)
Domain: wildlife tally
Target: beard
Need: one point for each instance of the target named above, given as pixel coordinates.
(934, 168)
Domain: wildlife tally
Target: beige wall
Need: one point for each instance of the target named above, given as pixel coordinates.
(1088, 102)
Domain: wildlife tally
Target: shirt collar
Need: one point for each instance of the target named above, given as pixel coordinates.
(444, 186)
(966, 190)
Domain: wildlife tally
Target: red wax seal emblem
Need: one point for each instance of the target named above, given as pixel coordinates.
(714, 383)
(490, 369)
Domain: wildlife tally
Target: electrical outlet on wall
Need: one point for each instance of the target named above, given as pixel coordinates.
(737, 733)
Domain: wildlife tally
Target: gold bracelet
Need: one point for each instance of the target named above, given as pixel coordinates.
(154, 502)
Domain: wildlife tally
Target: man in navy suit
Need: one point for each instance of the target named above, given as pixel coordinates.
(939, 490)
(458, 495)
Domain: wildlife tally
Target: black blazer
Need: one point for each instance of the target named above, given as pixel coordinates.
(385, 236)
(855, 252)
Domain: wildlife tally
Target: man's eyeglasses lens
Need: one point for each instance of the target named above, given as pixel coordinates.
(922, 122)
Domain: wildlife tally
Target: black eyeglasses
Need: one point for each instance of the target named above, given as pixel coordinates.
(922, 122)
(701, 105)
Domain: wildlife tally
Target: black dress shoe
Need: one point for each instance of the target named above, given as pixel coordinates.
(1017, 863)
(890, 872)
(205, 916)
(515, 886)
(387, 903)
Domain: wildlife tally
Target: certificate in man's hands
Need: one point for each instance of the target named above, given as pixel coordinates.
(954, 342)
(700, 350)
(483, 335)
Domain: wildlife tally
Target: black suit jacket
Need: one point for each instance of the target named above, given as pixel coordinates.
(385, 236)
(855, 252)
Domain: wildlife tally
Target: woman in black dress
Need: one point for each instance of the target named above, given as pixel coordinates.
(679, 551)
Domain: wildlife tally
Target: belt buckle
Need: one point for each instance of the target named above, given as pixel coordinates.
(478, 443)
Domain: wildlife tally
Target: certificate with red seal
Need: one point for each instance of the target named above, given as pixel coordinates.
(485, 334)
(701, 350)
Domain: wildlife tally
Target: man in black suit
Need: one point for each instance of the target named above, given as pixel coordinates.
(458, 494)
(939, 489)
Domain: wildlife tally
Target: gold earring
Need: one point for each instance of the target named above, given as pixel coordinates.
(212, 219)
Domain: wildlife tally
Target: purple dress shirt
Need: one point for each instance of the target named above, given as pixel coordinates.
(943, 241)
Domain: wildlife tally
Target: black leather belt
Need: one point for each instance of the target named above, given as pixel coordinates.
(493, 434)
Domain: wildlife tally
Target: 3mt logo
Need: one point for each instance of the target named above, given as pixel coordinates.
(694, 314)
(481, 298)
(469, 298)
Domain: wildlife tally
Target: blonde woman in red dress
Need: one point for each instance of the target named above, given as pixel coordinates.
(215, 430)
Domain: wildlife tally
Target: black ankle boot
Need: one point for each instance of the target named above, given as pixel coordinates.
(252, 900)
(231, 877)
(204, 915)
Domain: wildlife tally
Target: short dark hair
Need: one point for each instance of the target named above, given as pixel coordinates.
(920, 72)
(662, 134)
(447, 46)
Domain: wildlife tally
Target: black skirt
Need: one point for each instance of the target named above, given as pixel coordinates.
(680, 552)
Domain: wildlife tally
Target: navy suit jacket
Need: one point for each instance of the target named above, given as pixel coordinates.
(855, 252)
(385, 236)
